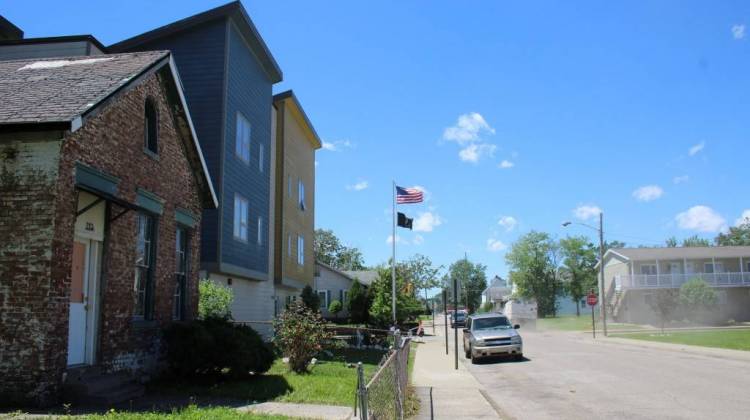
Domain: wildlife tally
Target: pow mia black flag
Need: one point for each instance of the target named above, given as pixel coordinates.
(404, 221)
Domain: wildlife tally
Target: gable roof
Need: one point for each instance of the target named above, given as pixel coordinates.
(233, 10)
(365, 277)
(8, 30)
(63, 93)
(56, 39)
(300, 115)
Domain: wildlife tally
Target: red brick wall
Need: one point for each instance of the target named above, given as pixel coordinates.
(111, 142)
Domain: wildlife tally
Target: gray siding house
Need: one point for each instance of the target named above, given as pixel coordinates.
(228, 73)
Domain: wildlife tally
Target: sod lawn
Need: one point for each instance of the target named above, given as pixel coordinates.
(725, 339)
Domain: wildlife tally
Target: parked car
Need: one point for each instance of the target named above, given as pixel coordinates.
(458, 319)
(491, 335)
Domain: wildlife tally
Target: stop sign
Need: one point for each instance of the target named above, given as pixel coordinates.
(591, 299)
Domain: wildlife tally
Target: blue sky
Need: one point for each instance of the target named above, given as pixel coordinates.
(586, 103)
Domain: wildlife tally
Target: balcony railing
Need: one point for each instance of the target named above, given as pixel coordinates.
(651, 281)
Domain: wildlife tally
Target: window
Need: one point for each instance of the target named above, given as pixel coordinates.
(323, 295)
(301, 250)
(181, 274)
(151, 127)
(260, 158)
(648, 269)
(708, 268)
(301, 193)
(240, 218)
(260, 230)
(144, 255)
(242, 138)
(289, 245)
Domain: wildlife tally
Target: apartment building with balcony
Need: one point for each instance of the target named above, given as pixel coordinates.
(632, 275)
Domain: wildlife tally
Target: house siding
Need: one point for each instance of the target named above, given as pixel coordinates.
(248, 92)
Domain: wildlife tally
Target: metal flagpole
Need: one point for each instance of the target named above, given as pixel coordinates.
(393, 260)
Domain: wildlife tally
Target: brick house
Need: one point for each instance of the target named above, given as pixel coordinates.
(102, 187)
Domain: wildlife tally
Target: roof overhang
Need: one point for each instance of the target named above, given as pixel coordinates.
(611, 253)
(290, 100)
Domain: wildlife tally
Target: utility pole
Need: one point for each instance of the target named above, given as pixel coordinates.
(455, 315)
(603, 296)
(445, 310)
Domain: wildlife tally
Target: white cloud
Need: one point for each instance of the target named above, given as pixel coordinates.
(745, 218)
(316, 163)
(586, 211)
(359, 186)
(475, 151)
(680, 179)
(389, 239)
(495, 245)
(336, 146)
(508, 222)
(467, 129)
(506, 164)
(738, 31)
(418, 240)
(701, 219)
(648, 193)
(427, 222)
(696, 148)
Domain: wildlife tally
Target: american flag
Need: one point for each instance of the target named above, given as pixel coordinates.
(408, 195)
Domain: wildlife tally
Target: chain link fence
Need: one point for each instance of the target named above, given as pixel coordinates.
(384, 395)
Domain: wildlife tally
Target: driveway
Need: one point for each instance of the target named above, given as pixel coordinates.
(571, 376)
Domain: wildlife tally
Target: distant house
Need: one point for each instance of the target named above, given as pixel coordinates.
(632, 275)
(102, 189)
(294, 198)
(228, 73)
(497, 293)
(331, 283)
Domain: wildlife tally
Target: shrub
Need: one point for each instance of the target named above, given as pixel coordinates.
(697, 299)
(335, 307)
(215, 301)
(407, 305)
(487, 307)
(300, 334)
(358, 303)
(215, 346)
(310, 298)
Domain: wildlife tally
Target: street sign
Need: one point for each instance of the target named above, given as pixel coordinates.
(591, 299)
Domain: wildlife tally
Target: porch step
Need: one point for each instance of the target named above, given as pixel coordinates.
(91, 386)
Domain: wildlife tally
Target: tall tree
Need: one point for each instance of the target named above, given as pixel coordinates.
(421, 273)
(407, 305)
(613, 245)
(737, 235)
(358, 303)
(579, 258)
(471, 279)
(671, 242)
(533, 263)
(695, 240)
(329, 250)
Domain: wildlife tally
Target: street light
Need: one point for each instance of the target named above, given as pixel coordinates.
(603, 307)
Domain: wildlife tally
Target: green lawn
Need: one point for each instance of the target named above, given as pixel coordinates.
(578, 323)
(189, 413)
(726, 339)
(328, 382)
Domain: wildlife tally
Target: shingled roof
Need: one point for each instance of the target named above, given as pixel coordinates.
(63, 88)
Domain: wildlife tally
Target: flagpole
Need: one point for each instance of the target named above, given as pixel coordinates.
(393, 260)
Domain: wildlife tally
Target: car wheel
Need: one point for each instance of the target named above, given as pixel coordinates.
(468, 353)
(474, 359)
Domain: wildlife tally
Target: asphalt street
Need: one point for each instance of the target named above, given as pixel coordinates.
(570, 376)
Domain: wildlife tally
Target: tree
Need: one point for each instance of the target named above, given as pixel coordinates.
(214, 300)
(421, 273)
(472, 281)
(335, 307)
(737, 236)
(358, 303)
(533, 263)
(671, 242)
(698, 298)
(664, 303)
(407, 305)
(695, 240)
(613, 245)
(300, 334)
(579, 258)
(310, 298)
(330, 251)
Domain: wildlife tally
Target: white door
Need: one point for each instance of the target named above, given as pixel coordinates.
(78, 288)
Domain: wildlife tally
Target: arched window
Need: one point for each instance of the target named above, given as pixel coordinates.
(152, 122)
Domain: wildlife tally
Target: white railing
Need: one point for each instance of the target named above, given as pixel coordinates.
(646, 281)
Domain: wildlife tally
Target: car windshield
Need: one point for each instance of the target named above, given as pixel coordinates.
(459, 316)
(497, 322)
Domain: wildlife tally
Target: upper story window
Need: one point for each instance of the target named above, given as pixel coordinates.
(260, 157)
(301, 195)
(260, 230)
(144, 263)
(242, 138)
(648, 269)
(151, 131)
(240, 218)
(301, 250)
(181, 273)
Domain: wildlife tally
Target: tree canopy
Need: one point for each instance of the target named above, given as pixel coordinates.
(421, 273)
(330, 251)
(533, 261)
(737, 235)
(579, 258)
(471, 279)
(695, 240)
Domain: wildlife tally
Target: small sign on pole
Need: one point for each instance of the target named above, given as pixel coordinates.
(592, 300)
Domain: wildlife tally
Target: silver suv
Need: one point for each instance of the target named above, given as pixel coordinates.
(491, 335)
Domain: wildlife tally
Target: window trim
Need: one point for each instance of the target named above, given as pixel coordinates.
(289, 244)
(242, 149)
(260, 231)
(179, 308)
(300, 250)
(301, 194)
(237, 223)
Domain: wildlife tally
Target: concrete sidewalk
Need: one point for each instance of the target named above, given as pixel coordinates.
(302, 411)
(456, 394)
